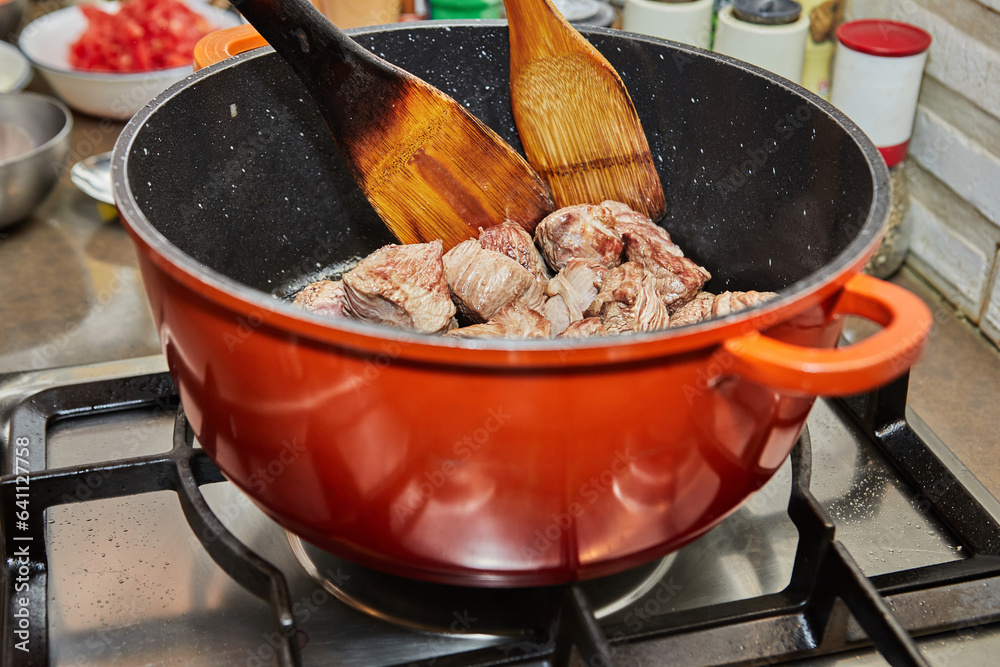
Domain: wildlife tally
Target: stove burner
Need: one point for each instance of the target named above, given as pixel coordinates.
(444, 608)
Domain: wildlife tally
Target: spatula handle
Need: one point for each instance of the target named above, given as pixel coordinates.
(323, 56)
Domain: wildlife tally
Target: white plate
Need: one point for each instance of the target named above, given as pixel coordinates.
(46, 43)
(15, 70)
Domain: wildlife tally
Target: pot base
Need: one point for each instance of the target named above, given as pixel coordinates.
(461, 610)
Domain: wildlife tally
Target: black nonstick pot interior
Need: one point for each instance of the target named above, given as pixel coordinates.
(766, 185)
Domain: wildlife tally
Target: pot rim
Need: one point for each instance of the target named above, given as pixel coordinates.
(288, 320)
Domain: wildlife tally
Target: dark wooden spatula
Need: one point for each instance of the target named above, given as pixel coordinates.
(576, 120)
(429, 168)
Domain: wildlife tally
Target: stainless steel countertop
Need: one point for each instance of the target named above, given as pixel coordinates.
(71, 293)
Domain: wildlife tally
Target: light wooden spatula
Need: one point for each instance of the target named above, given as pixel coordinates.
(576, 120)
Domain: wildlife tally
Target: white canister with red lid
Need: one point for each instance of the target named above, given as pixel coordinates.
(876, 80)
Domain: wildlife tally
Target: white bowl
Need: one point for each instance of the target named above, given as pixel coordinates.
(46, 43)
(15, 70)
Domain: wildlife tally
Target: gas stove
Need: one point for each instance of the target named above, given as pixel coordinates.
(124, 545)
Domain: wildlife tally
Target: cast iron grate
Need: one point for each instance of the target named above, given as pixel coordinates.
(809, 616)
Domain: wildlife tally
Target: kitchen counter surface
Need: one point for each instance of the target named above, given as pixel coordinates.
(71, 293)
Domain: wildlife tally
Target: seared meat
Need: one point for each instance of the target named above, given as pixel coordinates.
(534, 295)
(323, 296)
(705, 306)
(500, 282)
(629, 301)
(697, 309)
(483, 281)
(627, 220)
(585, 328)
(514, 320)
(584, 231)
(678, 279)
(556, 312)
(578, 284)
(402, 285)
(733, 302)
(572, 291)
(511, 239)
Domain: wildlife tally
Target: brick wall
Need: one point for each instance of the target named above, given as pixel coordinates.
(954, 162)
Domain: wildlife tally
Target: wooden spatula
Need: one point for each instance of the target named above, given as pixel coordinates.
(577, 122)
(429, 168)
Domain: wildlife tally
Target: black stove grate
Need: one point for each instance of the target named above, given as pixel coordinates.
(810, 616)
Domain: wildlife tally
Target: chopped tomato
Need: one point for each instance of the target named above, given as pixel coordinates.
(143, 35)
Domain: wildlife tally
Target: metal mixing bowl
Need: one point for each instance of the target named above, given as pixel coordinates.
(34, 145)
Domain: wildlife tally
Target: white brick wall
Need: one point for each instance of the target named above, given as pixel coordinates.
(954, 163)
(958, 161)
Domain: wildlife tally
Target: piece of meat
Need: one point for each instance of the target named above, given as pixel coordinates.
(705, 306)
(325, 297)
(578, 284)
(585, 328)
(511, 239)
(483, 281)
(556, 312)
(678, 279)
(534, 295)
(697, 309)
(627, 220)
(629, 301)
(585, 231)
(401, 285)
(733, 302)
(514, 320)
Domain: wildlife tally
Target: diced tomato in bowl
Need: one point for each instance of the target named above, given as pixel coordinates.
(109, 59)
(143, 35)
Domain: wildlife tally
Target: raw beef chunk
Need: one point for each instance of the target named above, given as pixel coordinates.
(402, 285)
(585, 231)
(585, 328)
(628, 301)
(705, 306)
(515, 320)
(323, 296)
(678, 279)
(483, 281)
(511, 239)
(627, 220)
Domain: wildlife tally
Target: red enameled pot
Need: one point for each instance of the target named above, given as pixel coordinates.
(505, 463)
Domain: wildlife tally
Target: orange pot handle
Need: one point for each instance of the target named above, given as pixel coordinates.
(226, 43)
(852, 369)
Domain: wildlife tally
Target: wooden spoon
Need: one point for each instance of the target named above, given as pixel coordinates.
(429, 168)
(577, 122)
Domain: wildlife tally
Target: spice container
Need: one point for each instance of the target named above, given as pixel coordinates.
(824, 17)
(876, 81)
(685, 21)
(767, 33)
